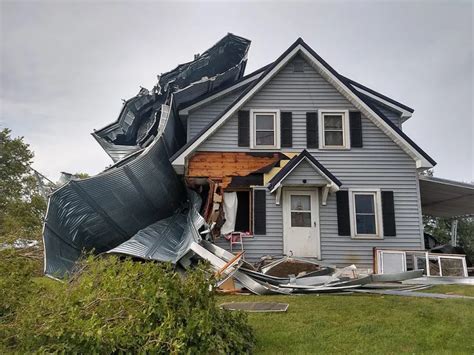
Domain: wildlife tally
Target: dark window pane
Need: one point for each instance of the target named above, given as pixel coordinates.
(333, 138)
(264, 138)
(365, 224)
(300, 202)
(364, 203)
(332, 122)
(264, 122)
(301, 219)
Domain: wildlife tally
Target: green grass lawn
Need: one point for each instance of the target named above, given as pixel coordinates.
(462, 290)
(362, 324)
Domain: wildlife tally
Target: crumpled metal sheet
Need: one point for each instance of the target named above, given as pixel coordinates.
(137, 124)
(102, 212)
(168, 239)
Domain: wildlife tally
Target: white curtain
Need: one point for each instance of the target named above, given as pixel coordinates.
(230, 212)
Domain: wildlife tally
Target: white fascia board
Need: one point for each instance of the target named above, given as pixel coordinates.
(185, 111)
(404, 113)
(421, 161)
(180, 159)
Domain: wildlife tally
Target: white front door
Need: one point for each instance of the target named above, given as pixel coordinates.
(301, 222)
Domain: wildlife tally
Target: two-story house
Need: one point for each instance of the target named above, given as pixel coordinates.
(308, 162)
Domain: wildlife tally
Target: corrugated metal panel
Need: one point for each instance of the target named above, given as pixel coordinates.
(379, 164)
(103, 211)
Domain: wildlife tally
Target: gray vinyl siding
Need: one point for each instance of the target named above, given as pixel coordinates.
(304, 171)
(201, 116)
(379, 164)
(391, 114)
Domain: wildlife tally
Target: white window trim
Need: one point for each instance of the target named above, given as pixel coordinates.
(378, 213)
(276, 138)
(345, 129)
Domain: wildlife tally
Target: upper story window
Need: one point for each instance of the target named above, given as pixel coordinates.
(334, 131)
(366, 214)
(265, 129)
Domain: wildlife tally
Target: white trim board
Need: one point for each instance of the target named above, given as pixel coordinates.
(421, 162)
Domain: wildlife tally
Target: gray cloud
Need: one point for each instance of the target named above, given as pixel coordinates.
(65, 67)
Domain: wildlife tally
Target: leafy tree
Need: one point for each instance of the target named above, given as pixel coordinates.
(440, 228)
(123, 306)
(22, 208)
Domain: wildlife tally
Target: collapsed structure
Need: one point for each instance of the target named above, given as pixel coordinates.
(294, 158)
(141, 188)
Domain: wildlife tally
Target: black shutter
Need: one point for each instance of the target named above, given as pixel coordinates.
(388, 214)
(244, 128)
(259, 212)
(286, 123)
(312, 139)
(356, 129)
(343, 219)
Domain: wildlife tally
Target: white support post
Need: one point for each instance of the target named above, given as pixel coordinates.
(427, 260)
(324, 198)
(454, 233)
(278, 196)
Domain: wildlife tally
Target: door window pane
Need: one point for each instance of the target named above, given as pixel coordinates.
(300, 211)
(365, 213)
(300, 203)
(301, 219)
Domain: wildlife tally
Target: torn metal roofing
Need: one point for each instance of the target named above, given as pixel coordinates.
(168, 239)
(136, 127)
(102, 212)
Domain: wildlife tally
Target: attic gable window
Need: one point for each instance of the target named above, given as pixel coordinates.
(265, 126)
(334, 132)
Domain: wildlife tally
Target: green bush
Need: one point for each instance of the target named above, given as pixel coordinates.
(117, 305)
(16, 282)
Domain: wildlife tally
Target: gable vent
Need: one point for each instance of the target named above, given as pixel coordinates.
(298, 66)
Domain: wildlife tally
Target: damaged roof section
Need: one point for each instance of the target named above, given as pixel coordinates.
(137, 125)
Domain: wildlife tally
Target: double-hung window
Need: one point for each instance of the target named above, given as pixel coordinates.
(265, 129)
(334, 129)
(366, 214)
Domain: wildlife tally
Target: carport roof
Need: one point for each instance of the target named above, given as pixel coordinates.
(446, 198)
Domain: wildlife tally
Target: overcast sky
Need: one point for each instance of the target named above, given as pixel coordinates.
(66, 66)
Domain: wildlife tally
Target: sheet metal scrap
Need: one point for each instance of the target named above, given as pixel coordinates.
(137, 125)
(256, 307)
(168, 239)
